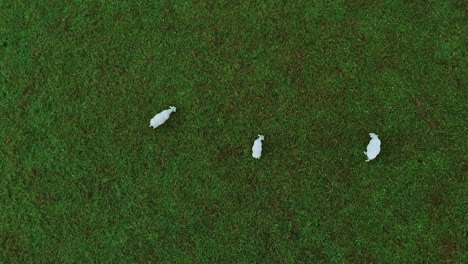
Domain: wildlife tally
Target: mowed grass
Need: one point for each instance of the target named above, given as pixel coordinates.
(85, 180)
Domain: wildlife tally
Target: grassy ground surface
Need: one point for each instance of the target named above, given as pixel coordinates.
(85, 180)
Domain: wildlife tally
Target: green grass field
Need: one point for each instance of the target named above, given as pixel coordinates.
(85, 180)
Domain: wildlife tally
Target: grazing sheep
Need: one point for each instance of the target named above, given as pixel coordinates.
(160, 118)
(257, 147)
(373, 148)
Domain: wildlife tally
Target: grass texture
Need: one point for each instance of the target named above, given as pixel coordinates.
(85, 180)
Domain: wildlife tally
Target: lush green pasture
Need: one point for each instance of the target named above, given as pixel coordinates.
(85, 180)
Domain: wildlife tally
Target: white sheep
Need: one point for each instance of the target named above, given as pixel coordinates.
(160, 118)
(257, 147)
(373, 148)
